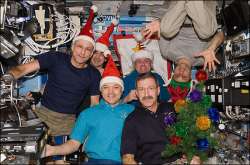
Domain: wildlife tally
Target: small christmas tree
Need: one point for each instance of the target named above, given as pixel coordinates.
(192, 133)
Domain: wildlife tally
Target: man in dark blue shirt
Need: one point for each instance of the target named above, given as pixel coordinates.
(144, 137)
(70, 78)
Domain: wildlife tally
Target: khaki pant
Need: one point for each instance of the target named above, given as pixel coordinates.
(58, 123)
(201, 13)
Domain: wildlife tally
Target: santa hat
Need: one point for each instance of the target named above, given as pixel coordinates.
(141, 52)
(178, 90)
(102, 43)
(111, 74)
(86, 33)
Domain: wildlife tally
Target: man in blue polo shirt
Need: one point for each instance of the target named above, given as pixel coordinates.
(143, 61)
(99, 127)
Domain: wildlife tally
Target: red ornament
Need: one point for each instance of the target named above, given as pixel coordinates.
(201, 75)
(175, 140)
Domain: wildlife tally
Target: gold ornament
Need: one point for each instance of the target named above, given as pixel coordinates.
(203, 123)
(181, 103)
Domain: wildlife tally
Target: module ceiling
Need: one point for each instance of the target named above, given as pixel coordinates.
(153, 8)
(122, 7)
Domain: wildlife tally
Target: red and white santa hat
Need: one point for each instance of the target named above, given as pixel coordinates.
(111, 74)
(141, 52)
(86, 33)
(103, 43)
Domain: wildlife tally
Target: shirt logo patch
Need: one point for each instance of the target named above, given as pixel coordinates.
(124, 115)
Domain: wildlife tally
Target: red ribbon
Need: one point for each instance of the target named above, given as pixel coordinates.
(177, 93)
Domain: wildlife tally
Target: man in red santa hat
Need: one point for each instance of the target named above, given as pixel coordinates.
(99, 127)
(98, 59)
(70, 77)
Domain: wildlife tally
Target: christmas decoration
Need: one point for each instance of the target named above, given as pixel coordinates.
(206, 101)
(181, 103)
(181, 129)
(141, 52)
(192, 133)
(195, 95)
(103, 43)
(169, 119)
(202, 144)
(214, 114)
(175, 140)
(178, 90)
(203, 123)
(201, 75)
(111, 73)
(86, 32)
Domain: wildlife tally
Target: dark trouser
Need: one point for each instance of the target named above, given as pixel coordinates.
(101, 162)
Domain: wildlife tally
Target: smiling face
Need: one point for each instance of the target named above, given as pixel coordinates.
(97, 59)
(81, 52)
(147, 91)
(111, 93)
(143, 65)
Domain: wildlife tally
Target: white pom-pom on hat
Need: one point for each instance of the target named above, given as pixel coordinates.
(106, 53)
(94, 8)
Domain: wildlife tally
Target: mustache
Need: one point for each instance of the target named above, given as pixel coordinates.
(147, 97)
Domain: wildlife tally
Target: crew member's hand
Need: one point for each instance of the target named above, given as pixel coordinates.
(47, 151)
(195, 160)
(28, 96)
(150, 29)
(128, 159)
(209, 59)
(131, 96)
(33, 97)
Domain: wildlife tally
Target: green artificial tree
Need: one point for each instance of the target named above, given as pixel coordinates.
(193, 132)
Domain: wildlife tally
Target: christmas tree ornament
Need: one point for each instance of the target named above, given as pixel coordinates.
(181, 103)
(203, 123)
(214, 114)
(201, 75)
(195, 95)
(169, 119)
(202, 144)
(175, 140)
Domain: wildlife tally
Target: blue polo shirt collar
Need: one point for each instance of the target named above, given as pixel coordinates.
(107, 105)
